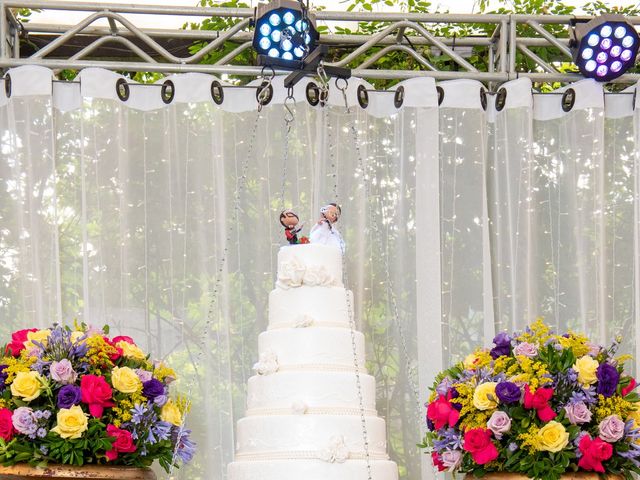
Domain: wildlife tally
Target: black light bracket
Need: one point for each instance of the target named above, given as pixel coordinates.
(308, 66)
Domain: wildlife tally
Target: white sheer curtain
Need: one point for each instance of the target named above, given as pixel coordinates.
(161, 221)
(561, 202)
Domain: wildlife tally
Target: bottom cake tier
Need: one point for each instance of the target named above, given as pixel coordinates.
(311, 470)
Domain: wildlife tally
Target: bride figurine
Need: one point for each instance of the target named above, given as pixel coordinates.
(325, 232)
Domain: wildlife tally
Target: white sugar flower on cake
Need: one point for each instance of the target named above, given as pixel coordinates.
(318, 276)
(268, 363)
(304, 321)
(299, 407)
(291, 273)
(336, 451)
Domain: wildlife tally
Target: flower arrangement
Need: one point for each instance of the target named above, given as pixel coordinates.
(79, 397)
(538, 404)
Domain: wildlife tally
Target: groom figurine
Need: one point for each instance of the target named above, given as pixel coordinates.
(325, 231)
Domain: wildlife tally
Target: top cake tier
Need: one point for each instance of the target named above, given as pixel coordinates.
(309, 264)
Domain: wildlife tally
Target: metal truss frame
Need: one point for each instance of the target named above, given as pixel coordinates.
(410, 33)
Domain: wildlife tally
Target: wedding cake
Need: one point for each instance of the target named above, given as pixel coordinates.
(304, 407)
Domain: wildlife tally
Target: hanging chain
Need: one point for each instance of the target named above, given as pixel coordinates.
(350, 307)
(213, 303)
(356, 367)
(378, 240)
(323, 98)
(289, 117)
(265, 87)
(306, 27)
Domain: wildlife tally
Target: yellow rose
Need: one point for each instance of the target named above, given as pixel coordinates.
(40, 336)
(484, 397)
(635, 414)
(77, 335)
(130, 350)
(171, 413)
(27, 385)
(552, 437)
(470, 361)
(125, 380)
(586, 367)
(72, 422)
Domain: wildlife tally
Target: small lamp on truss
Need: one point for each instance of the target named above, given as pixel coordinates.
(286, 37)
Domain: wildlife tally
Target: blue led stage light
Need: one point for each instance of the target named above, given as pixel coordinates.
(604, 48)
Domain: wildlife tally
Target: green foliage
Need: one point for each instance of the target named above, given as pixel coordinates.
(479, 58)
(88, 449)
(218, 24)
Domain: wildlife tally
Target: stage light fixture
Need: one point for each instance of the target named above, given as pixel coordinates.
(605, 47)
(285, 31)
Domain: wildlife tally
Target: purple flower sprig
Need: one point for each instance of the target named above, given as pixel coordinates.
(185, 448)
(60, 347)
(449, 439)
(145, 424)
(3, 377)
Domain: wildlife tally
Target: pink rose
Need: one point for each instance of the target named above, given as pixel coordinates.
(451, 459)
(499, 423)
(6, 424)
(526, 349)
(96, 393)
(578, 413)
(611, 429)
(123, 442)
(123, 338)
(17, 342)
(441, 412)
(63, 372)
(478, 443)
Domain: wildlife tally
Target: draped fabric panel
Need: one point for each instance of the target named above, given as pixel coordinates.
(461, 220)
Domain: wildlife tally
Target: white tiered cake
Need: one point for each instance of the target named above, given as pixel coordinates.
(303, 419)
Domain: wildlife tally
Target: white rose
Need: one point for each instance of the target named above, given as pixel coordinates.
(291, 273)
(303, 321)
(336, 451)
(317, 276)
(267, 364)
(299, 407)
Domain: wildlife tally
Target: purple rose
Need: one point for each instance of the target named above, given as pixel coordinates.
(526, 349)
(153, 388)
(499, 423)
(24, 421)
(503, 345)
(68, 396)
(608, 378)
(611, 429)
(578, 413)
(508, 392)
(144, 375)
(63, 372)
(3, 377)
(451, 459)
(161, 400)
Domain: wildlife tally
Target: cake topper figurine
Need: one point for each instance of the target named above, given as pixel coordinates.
(289, 220)
(325, 231)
